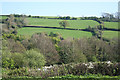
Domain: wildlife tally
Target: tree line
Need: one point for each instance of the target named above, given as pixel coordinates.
(43, 49)
(108, 17)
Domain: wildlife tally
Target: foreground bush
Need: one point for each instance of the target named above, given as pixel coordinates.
(33, 58)
(30, 58)
(7, 62)
(66, 69)
(8, 73)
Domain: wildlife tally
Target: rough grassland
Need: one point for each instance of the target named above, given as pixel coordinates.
(64, 33)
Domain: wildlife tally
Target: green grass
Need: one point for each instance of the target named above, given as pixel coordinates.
(110, 34)
(82, 24)
(64, 33)
(113, 25)
(87, 76)
(71, 77)
(3, 17)
(79, 24)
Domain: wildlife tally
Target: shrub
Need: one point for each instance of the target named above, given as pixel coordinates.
(29, 58)
(64, 24)
(18, 59)
(13, 36)
(7, 61)
(69, 52)
(8, 73)
(33, 58)
(100, 69)
(12, 60)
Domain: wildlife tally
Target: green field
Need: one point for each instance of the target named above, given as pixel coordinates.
(113, 25)
(3, 17)
(110, 34)
(64, 33)
(79, 24)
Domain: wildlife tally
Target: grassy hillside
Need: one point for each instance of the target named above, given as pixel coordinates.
(113, 25)
(81, 24)
(64, 33)
(110, 34)
(3, 17)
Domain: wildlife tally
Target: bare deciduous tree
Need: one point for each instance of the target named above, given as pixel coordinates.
(44, 43)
